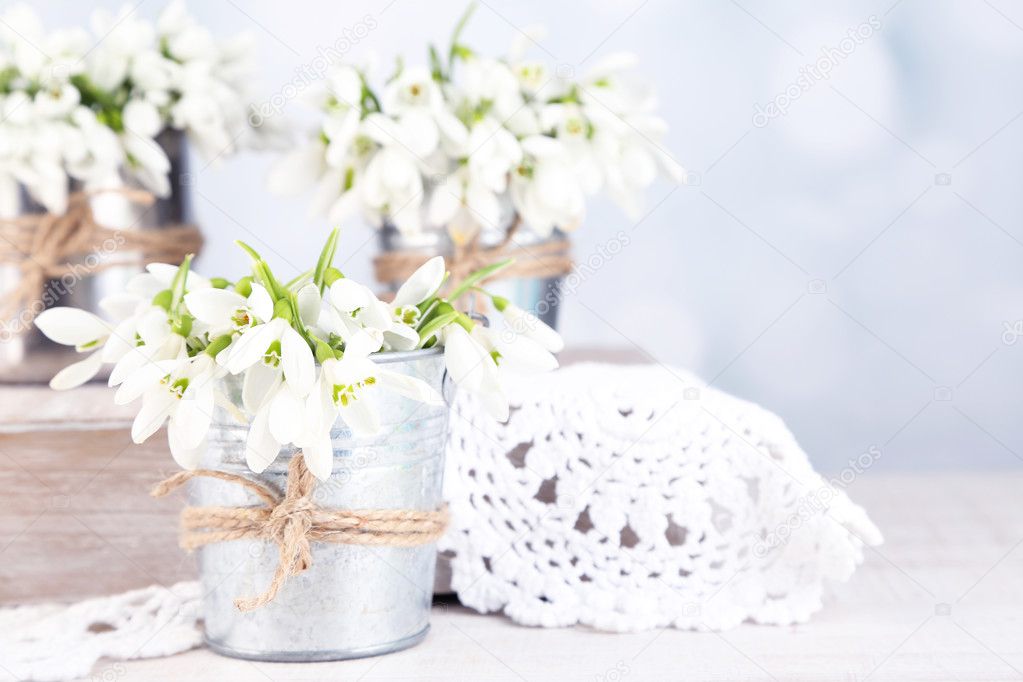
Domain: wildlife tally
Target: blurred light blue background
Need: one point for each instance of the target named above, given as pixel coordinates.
(851, 265)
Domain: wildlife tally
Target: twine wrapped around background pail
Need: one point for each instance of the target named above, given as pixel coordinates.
(532, 282)
(46, 246)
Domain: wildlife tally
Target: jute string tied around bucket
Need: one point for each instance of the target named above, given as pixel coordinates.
(293, 521)
(48, 245)
(541, 260)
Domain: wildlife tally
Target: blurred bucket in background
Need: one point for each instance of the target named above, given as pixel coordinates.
(26, 356)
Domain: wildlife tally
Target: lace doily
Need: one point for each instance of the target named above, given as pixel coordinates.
(629, 498)
(61, 642)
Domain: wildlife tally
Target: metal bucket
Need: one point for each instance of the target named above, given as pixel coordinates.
(354, 600)
(540, 296)
(26, 356)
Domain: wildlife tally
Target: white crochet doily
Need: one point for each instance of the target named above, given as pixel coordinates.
(61, 642)
(634, 497)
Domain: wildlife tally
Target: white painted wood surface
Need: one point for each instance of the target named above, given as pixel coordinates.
(941, 600)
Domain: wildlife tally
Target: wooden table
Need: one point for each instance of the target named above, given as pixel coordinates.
(941, 600)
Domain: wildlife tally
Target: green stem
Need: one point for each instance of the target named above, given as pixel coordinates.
(326, 259)
(478, 276)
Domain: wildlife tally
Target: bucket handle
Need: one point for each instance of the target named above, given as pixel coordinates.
(447, 388)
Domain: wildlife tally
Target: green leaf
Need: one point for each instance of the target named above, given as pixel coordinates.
(178, 283)
(399, 67)
(326, 259)
(368, 99)
(248, 249)
(261, 273)
(296, 315)
(467, 322)
(436, 324)
(426, 309)
(478, 276)
(456, 49)
(436, 67)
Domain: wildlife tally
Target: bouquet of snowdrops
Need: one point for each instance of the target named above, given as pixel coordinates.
(85, 107)
(470, 141)
(305, 349)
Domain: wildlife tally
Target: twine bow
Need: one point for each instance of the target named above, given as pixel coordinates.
(294, 521)
(44, 246)
(545, 259)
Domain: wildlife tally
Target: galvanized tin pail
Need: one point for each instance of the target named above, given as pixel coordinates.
(354, 600)
(26, 356)
(538, 295)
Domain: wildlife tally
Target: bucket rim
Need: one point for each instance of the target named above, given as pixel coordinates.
(405, 355)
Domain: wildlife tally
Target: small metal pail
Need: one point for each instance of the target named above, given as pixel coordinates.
(354, 600)
(26, 356)
(538, 295)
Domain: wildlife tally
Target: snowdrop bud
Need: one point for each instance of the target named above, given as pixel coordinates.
(282, 309)
(183, 326)
(244, 286)
(218, 344)
(332, 275)
(500, 302)
(219, 283)
(324, 352)
(163, 299)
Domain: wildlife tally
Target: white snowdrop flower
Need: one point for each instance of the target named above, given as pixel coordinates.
(526, 324)
(277, 349)
(545, 188)
(473, 369)
(517, 353)
(225, 311)
(354, 309)
(182, 395)
(351, 381)
(81, 329)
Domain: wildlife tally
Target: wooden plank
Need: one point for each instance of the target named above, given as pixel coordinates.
(77, 518)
